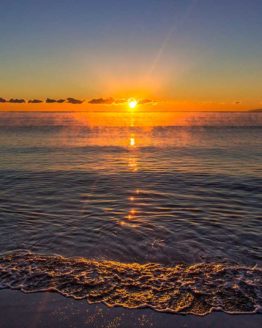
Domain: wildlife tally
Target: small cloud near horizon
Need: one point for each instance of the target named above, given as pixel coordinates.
(51, 101)
(35, 101)
(16, 101)
(74, 101)
(100, 101)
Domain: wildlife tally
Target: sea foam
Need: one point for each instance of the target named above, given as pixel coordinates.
(187, 289)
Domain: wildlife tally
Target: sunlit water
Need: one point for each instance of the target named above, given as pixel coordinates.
(171, 189)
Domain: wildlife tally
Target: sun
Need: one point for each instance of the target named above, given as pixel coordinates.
(132, 103)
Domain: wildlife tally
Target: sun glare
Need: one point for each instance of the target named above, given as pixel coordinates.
(132, 103)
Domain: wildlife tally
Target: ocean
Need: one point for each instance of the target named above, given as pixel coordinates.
(159, 210)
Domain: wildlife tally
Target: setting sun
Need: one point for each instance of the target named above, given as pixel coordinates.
(132, 103)
(132, 141)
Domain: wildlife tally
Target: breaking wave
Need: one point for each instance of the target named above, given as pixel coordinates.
(188, 289)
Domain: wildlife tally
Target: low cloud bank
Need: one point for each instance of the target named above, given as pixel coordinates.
(74, 101)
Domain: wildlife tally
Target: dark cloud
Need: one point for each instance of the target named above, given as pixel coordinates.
(50, 101)
(2, 100)
(74, 101)
(16, 101)
(237, 102)
(99, 101)
(35, 101)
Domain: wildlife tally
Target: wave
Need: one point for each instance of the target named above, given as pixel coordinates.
(187, 289)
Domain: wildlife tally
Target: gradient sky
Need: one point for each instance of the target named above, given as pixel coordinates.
(186, 54)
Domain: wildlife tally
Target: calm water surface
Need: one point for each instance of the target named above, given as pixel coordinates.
(184, 192)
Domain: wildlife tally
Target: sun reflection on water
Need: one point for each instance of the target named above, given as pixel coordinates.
(132, 164)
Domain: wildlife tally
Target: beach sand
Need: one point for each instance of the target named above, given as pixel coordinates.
(53, 310)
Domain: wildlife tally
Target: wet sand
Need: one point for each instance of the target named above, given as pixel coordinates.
(52, 310)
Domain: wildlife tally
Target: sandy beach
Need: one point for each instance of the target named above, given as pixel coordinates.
(44, 310)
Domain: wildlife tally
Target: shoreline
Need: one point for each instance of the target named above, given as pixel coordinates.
(45, 309)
